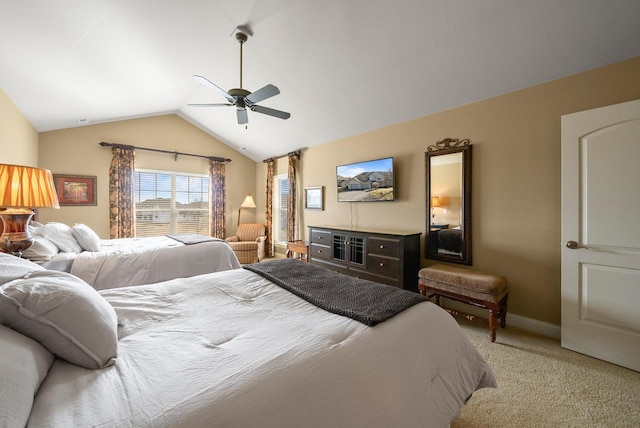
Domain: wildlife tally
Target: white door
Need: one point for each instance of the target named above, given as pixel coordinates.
(601, 233)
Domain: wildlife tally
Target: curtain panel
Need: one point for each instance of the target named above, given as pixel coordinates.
(268, 210)
(122, 193)
(217, 199)
(291, 198)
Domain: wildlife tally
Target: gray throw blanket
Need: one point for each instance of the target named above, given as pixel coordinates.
(361, 300)
(192, 238)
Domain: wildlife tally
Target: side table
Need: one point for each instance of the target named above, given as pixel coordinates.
(300, 248)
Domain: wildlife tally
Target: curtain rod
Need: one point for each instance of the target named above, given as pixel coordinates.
(295, 153)
(124, 146)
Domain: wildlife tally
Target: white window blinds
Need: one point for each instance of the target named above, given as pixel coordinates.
(280, 208)
(168, 202)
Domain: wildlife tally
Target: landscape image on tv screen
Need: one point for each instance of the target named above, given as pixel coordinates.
(370, 181)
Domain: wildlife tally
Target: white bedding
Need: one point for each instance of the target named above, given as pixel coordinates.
(135, 261)
(231, 349)
(124, 246)
(153, 265)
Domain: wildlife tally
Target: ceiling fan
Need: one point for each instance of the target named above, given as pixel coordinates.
(241, 98)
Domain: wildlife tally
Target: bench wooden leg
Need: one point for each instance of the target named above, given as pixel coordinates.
(493, 323)
(494, 316)
(503, 311)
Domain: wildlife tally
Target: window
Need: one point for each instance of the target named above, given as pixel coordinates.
(280, 209)
(168, 202)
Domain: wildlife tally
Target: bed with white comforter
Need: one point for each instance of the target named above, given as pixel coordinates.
(232, 349)
(103, 271)
(110, 263)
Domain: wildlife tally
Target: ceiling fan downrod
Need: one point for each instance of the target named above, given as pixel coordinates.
(241, 38)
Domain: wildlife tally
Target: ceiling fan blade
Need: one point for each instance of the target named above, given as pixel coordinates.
(262, 94)
(206, 82)
(211, 105)
(271, 112)
(242, 116)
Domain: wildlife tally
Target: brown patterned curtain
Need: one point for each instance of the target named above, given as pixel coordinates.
(268, 210)
(291, 198)
(121, 193)
(217, 199)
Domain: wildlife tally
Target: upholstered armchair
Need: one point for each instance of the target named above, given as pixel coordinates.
(249, 242)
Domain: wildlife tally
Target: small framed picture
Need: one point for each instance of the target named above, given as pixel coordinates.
(313, 198)
(75, 189)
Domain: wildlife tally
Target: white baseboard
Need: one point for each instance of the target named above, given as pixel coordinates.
(541, 327)
(535, 326)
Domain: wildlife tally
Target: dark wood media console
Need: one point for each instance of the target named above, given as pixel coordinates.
(391, 258)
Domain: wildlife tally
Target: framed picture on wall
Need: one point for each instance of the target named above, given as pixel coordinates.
(313, 198)
(75, 189)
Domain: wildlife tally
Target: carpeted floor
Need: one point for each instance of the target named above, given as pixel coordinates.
(544, 385)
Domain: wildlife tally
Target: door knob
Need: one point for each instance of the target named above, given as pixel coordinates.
(572, 245)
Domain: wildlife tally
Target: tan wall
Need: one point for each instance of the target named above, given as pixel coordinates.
(516, 177)
(18, 139)
(76, 151)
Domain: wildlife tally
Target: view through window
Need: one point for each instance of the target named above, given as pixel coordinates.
(280, 209)
(169, 202)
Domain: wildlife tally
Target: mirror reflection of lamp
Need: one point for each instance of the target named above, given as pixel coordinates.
(22, 188)
(247, 203)
(435, 202)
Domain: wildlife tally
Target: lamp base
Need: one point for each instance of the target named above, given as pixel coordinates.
(15, 237)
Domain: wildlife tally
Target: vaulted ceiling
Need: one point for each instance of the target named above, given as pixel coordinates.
(343, 67)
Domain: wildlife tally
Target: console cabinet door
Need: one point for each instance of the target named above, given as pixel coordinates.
(348, 248)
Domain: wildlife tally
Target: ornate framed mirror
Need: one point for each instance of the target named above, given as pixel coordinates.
(448, 200)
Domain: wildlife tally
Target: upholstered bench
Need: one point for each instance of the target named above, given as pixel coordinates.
(469, 286)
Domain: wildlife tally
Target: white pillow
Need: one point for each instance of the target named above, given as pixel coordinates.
(24, 364)
(65, 314)
(62, 235)
(36, 228)
(86, 237)
(12, 267)
(41, 250)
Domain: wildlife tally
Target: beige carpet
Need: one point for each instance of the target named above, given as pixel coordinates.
(544, 385)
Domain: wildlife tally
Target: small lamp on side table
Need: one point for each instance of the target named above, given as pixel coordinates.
(22, 188)
(435, 202)
(247, 203)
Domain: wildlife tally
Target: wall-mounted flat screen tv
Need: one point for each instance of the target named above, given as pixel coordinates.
(369, 181)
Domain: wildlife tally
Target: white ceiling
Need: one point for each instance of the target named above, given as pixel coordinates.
(343, 67)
